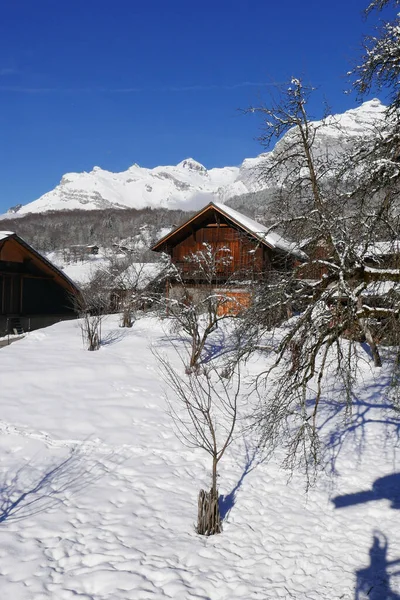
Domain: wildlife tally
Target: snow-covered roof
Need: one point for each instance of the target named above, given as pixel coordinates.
(381, 288)
(274, 240)
(5, 234)
(271, 239)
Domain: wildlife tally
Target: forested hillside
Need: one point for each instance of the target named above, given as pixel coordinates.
(62, 229)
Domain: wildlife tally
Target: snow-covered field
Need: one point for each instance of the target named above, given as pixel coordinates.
(99, 499)
(82, 271)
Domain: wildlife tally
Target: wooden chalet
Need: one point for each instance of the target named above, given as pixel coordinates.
(34, 293)
(252, 249)
(248, 251)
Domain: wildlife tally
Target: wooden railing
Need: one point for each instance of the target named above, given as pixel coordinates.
(192, 272)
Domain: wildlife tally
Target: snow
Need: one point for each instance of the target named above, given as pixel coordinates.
(80, 271)
(138, 187)
(141, 273)
(372, 270)
(357, 120)
(83, 271)
(333, 137)
(377, 249)
(113, 517)
(381, 288)
(5, 234)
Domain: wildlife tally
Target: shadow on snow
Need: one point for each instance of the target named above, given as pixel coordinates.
(227, 502)
(374, 409)
(114, 336)
(384, 488)
(31, 490)
(375, 581)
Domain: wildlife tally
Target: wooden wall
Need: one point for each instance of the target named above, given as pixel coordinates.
(28, 285)
(246, 253)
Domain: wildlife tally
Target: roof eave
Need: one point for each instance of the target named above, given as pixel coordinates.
(174, 231)
(156, 247)
(48, 263)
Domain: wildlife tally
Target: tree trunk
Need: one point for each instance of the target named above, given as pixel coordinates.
(127, 320)
(197, 348)
(369, 337)
(209, 518)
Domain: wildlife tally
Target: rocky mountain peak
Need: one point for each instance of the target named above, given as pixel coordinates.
(192, 165)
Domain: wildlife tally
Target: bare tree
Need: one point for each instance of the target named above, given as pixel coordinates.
(379, 67)
(127, 281)
(380, 4)
(118, 286)
(204, 409)
(131, 228)
(340, 207)
(197, 308)
(92, 302)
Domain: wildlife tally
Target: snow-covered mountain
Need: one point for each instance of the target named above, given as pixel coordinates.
(138, 187)
(332, 137)
(189, 184)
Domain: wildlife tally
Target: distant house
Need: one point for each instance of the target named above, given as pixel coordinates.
(33, 292)
(244, 249)
(378, 261)
(82, 251)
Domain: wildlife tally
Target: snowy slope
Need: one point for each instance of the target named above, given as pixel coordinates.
(189, 184)
(82, 271)
(114, 519)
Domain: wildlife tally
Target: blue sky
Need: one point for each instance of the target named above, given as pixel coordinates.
(114, 82)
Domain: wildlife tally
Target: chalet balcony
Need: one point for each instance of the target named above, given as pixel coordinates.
(194, 273)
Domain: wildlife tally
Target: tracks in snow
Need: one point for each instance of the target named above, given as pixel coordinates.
(85, 446)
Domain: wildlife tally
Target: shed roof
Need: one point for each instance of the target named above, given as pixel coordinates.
(252, 227)
(271, 239)
(47, 264)
(5, 234)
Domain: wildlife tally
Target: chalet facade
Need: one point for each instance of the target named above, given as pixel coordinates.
(243, 250)
(34, 293)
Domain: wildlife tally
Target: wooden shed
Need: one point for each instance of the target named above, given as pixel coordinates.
(34, 293)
